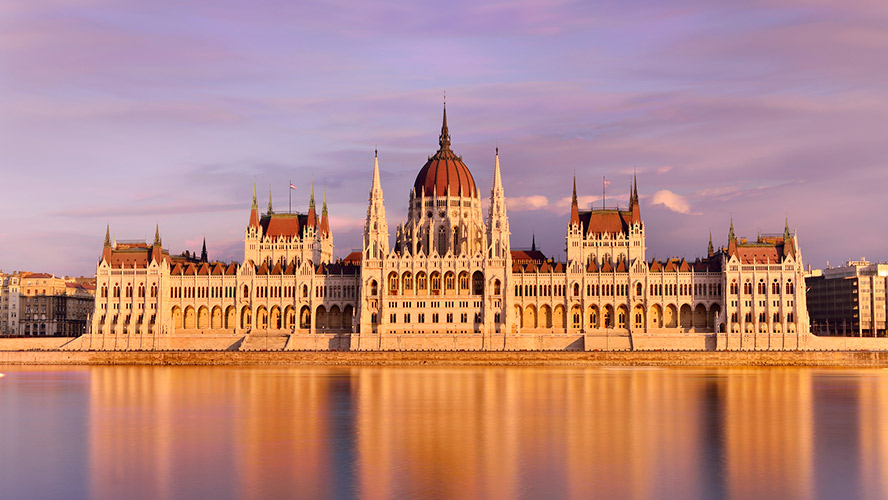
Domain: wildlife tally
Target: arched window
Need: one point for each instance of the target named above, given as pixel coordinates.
(734, 288)
(638, 288)
(747, 288)
(393, 283)
(436, 282)
(304, 291)
(153, 291)
(775, 287)
(104, 291)
(789, 288)
(576, 289)
(246, 292)
(116, 291)
(141, 291)
(761, 287)
(129, 291)
(374, 289)
(422, 283)
(496, 287)
(477, 283)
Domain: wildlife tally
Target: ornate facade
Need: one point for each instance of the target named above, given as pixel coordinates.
(452, 281)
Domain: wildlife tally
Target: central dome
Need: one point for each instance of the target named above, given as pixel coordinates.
(445, 173)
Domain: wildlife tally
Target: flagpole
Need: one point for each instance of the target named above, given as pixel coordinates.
(603, 184)
(290, 192)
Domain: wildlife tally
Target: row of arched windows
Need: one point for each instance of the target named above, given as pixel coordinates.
(761, 288)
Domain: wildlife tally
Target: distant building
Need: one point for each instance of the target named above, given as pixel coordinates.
(51, 306)
(849, 300)
(9, 303)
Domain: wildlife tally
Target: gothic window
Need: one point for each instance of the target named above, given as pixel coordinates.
(576, 289)
(464, 281)
(734, 288)
(374, 289)
(496, 287)
(436, 282)
(116, 291)
(305, 291)
(421, 282)
(789, 288)
(775, 287)
(246, 291)
(761, 287)
(638, 288)
(104, 291)
(393, 283)
(408, 282)
(449, 281)
(477, 283)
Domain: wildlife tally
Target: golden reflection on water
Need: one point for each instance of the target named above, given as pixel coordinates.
(497, 433)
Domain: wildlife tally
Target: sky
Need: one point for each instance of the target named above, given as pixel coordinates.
(134, 114)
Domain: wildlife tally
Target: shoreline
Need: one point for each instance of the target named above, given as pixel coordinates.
(835, 359)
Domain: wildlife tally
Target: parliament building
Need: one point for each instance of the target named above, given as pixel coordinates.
(447, 278)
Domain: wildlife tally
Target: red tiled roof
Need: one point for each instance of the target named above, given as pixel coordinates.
(525, 256)
(286, 225)
(606, 221)
(354, 257)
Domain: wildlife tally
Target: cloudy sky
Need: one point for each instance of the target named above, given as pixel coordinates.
(135, 113)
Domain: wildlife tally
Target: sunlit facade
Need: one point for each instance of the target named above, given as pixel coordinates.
(452, 282)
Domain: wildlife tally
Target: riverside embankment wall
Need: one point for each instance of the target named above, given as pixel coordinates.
(370, 358)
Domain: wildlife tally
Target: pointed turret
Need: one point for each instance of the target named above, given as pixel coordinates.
(710, 249)
(270, 210)
(106, 248)
(574, 206)
(254, 210)
(533, 243)
(786, 235)
(157, 247)
(731, 236)
(633, 202)
(325, 223)
(203, 251)
(312, 213)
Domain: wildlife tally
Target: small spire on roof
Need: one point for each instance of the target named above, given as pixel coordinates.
(270, 210)
(731, 236)
(203, 251)
(108, 235)
(710, 249)
(255, 205)
(157, 235)
(311, 200)
(786, 230)
(533, 242)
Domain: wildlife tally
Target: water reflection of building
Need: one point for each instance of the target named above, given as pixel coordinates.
(769, 433)
(873, 402)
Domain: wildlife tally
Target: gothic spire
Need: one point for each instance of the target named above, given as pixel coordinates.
(270, 210)
(497, 178)
(444, 139)
(375, 184)
(203, 251)
(255, 205)
(108, 235)
(786, 230)
(711, 249)
(157, 235)
(574, 207)
(533, 243)
(311, 200)
(731, 236)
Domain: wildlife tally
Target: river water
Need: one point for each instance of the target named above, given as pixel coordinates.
(442, 433)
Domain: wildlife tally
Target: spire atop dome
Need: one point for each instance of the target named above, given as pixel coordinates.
(444, 139)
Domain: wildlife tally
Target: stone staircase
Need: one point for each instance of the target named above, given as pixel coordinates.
(262, 341)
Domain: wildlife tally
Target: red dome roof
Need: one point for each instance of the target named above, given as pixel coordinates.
(445, 171)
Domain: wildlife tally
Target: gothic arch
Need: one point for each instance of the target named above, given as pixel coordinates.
(656, 316)
(216, 318)
(189, 318)
(685, 316)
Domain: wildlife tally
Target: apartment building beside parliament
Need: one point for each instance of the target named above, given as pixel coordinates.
(451, 281)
